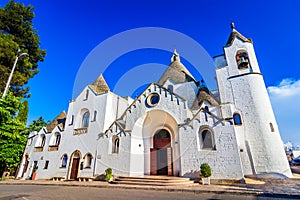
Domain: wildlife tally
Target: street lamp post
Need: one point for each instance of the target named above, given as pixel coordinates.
(11, 73)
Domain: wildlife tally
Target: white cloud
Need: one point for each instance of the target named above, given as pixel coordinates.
(286, 88)
(285, 99)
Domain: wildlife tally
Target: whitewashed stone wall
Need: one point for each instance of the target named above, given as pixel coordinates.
(260, 146)
(40, 157)
(224, 160)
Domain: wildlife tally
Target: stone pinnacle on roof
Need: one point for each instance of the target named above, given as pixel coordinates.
(234, 34)
(176, 71)
(175, 56)
(99, 86)
(232, 25)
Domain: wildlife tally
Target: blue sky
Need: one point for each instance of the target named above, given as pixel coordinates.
(70, 29)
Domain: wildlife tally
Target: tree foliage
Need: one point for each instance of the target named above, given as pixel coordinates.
(36, 125)
(17, 32)
(23, 113)
(12, 139)
(13, 134)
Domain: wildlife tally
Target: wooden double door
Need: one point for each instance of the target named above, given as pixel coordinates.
(74, 169)
(74, 165)
(161, 154)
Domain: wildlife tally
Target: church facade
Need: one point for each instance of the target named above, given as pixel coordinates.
(174, 126)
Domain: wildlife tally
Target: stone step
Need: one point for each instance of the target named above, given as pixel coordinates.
(153, 181)
(155, 177)
(147, 179)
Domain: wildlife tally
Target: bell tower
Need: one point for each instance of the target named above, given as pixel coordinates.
(244, 99)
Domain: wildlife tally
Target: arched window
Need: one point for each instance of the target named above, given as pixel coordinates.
(237, 119)
(64, 160)
(242, 59)
(54, 142)
(115, 144)
(57, 139)
(206, 139)
(162, 139)
(43, 140)
(29, 141)
(170, 87)
(85, 119)
(40, 143)
(88, 160)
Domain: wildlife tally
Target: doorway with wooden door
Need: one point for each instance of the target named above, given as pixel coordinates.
(161, 154)
(25, 165)
(74, 165)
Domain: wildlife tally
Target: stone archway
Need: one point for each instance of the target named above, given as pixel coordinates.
(142, 136)
(161, 154)
(156, 124)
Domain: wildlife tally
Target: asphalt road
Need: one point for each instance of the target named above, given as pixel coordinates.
(37, 192)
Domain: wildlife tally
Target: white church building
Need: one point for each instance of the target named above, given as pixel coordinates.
(171, 128)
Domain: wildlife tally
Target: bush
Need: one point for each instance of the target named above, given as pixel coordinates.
(109, 174)
(205, 170)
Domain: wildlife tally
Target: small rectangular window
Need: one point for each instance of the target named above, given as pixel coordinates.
(46, 164)
(86, 95)
(272, 127)
(88, 161)
(64, 161)
(71, 120)
(95, 116)
(29, 141)
(237, 119)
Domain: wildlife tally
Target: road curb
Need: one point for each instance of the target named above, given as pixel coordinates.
(230, 190)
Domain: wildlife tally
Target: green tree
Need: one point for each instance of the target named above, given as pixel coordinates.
(23, 113)
(13, 134)
(12, 140)
(17, 32)
(36, 125)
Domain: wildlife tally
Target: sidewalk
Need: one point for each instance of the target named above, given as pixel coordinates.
(289, 188)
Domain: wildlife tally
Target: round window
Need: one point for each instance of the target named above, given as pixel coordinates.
(153, 99)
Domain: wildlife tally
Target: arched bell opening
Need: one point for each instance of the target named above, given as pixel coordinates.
(242, 59)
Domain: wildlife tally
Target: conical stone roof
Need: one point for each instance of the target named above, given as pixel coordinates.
(58, 120)
(99, 86)
(204, 95)
(176, 71)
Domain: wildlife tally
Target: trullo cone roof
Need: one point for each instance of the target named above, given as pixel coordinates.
(99, 86)
(176, 71)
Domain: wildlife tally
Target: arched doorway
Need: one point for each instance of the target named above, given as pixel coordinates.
(25, 165)
(74, 165)
(161, 154)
